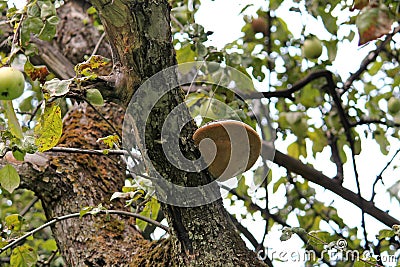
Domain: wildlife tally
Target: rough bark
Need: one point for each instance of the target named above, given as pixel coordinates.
(72, 181)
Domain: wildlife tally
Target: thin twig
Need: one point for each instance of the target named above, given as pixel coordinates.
(75, 215)
(103, 118)
(177, 23)
(29, 206)
(49, 259)
(35, 112)
(373, 121)
(379, 176)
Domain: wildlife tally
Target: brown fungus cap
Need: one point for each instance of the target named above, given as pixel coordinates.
(229, 147)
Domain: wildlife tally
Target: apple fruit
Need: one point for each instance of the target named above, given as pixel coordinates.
(312, 48)
(393, 105)
(12, 83)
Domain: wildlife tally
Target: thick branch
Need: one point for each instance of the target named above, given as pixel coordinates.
(317, 177)
(288, 93)
(52, 57)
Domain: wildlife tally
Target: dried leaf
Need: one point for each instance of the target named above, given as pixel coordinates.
(372, 23)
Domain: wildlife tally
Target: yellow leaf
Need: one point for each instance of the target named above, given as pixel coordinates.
(49, 129)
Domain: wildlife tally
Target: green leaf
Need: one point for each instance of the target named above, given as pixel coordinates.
(49, 30)
(19, 154)
(297, 149)
(329, 20)
(33, 9)
(185, 54)
(360, 264)
(278, 183)
(150, 210)
(3, 243)
(47, 9)
(201, 49)
(310, 97)
(385, 233)
(286, 234)
(376, 66)
(33, 24)
(299, 230)
(274, 4)
(319, 140)
(26, 104)
(49, 129)
(84, 211)
(294, 117)
(9, 178)
(14, 222)
(93, 63)
(49, 245)
(244, 9)
(300, 130)
(382, 141)
(242, 80)
(242, 188)
(23, 256)
(332, 49)
(91, 10)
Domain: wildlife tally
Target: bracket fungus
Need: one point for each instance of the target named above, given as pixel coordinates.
(228, 147)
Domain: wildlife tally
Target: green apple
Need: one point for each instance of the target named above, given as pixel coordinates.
(393, 105)
(12, 83)
(312, 48)
(94, 97)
